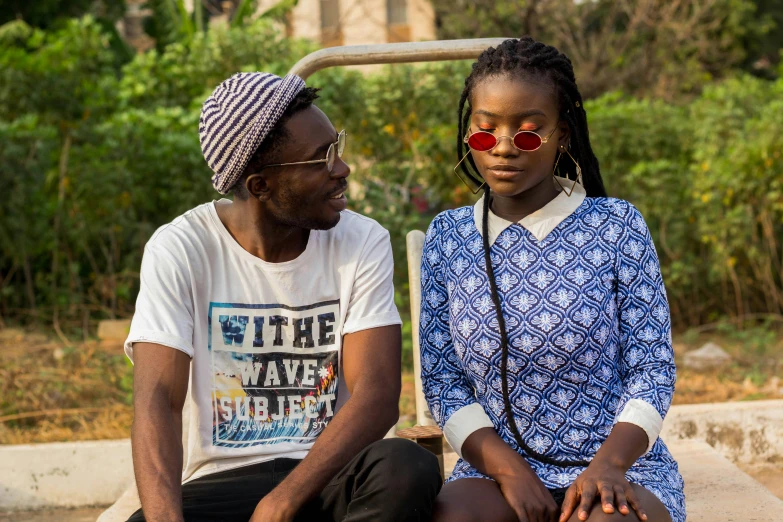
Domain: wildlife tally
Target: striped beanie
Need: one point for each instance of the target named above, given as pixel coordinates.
(237, 117)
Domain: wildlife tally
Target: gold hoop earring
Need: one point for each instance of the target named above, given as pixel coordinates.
(578, 172)
(463, 180)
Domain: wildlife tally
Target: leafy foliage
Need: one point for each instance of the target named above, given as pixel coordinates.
(95, 156)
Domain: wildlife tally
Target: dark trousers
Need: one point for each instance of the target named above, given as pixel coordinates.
(390, 480)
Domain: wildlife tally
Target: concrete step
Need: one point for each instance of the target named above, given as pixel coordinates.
(716, 489)
(53, 515)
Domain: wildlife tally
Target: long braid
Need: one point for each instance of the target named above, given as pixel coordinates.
(526, 57)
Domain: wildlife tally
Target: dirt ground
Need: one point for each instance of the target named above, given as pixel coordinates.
(771, 478)
(51, 393)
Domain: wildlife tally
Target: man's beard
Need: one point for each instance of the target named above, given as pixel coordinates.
(291, 214)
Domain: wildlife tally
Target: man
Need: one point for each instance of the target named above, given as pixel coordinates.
(273, 317)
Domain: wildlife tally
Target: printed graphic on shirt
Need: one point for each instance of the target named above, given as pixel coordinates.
(274, 371)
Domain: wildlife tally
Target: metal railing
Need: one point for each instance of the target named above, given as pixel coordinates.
(408, 52)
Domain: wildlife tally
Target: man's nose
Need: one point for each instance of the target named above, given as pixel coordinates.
(340, 169)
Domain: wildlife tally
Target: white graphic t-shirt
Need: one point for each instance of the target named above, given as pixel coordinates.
(265, 338)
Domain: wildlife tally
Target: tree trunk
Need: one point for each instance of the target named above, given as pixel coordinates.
(62, 171)
(28, 283)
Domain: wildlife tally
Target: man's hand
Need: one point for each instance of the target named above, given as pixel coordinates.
(528, 497)
(277, 506)
(603, 481)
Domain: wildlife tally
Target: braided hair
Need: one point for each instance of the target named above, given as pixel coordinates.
(526, 57)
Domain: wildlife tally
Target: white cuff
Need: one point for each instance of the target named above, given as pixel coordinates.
(463, 423)
(644, 415)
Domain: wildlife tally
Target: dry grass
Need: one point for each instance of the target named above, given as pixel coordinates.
(51, 393)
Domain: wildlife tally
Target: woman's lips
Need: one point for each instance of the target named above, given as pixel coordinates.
(505, 174)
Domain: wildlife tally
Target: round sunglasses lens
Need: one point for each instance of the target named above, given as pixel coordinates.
(528, 141)
(481, 141)
(340, 143)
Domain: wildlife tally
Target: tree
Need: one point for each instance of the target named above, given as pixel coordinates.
(764, 53)
(48, 13)
(59, 79)
(651, 47)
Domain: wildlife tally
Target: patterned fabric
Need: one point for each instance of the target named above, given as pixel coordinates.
(236, 118)
(588, 327)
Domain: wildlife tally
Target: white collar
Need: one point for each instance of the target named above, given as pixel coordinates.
(541, 222)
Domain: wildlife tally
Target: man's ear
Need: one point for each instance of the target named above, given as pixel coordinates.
(259, 187)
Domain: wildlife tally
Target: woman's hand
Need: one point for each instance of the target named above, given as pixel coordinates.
(604, 481)
(528, 497)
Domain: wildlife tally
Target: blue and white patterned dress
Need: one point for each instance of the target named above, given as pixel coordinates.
(588, 328)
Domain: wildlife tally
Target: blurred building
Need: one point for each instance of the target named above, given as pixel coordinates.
(329, 22)
(131, 26)
(356, 22)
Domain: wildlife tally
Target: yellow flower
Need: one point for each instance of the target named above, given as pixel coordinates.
(706, 197)
(705, 166)
(389, 129)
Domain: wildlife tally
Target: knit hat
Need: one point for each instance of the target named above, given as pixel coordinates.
(237, 117)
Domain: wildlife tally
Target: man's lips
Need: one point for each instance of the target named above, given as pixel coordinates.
(339, 193)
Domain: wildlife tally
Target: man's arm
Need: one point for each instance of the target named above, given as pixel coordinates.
(371, 368)
(160, 384)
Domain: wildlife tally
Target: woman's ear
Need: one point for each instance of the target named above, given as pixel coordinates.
(565, 134)
(258, 187)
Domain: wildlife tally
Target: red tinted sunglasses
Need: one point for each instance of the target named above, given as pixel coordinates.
(526, 141)
(483, 141)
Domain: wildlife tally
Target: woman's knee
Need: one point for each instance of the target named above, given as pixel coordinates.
(650, 504)
(472, 500)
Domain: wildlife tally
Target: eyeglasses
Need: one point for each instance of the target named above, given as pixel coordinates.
(483, 141)
(335, 151)
(526, 141)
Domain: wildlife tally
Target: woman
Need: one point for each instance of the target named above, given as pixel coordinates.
(581, 356)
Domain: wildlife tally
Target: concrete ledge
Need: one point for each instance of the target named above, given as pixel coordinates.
(717, 490)
(68, 474)
(747, 433)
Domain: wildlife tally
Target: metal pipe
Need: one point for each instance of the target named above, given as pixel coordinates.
(408, 52)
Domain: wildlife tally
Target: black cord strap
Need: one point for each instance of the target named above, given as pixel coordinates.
(504, 353)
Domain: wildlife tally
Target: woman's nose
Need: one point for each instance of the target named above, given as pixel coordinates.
(505, 147)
